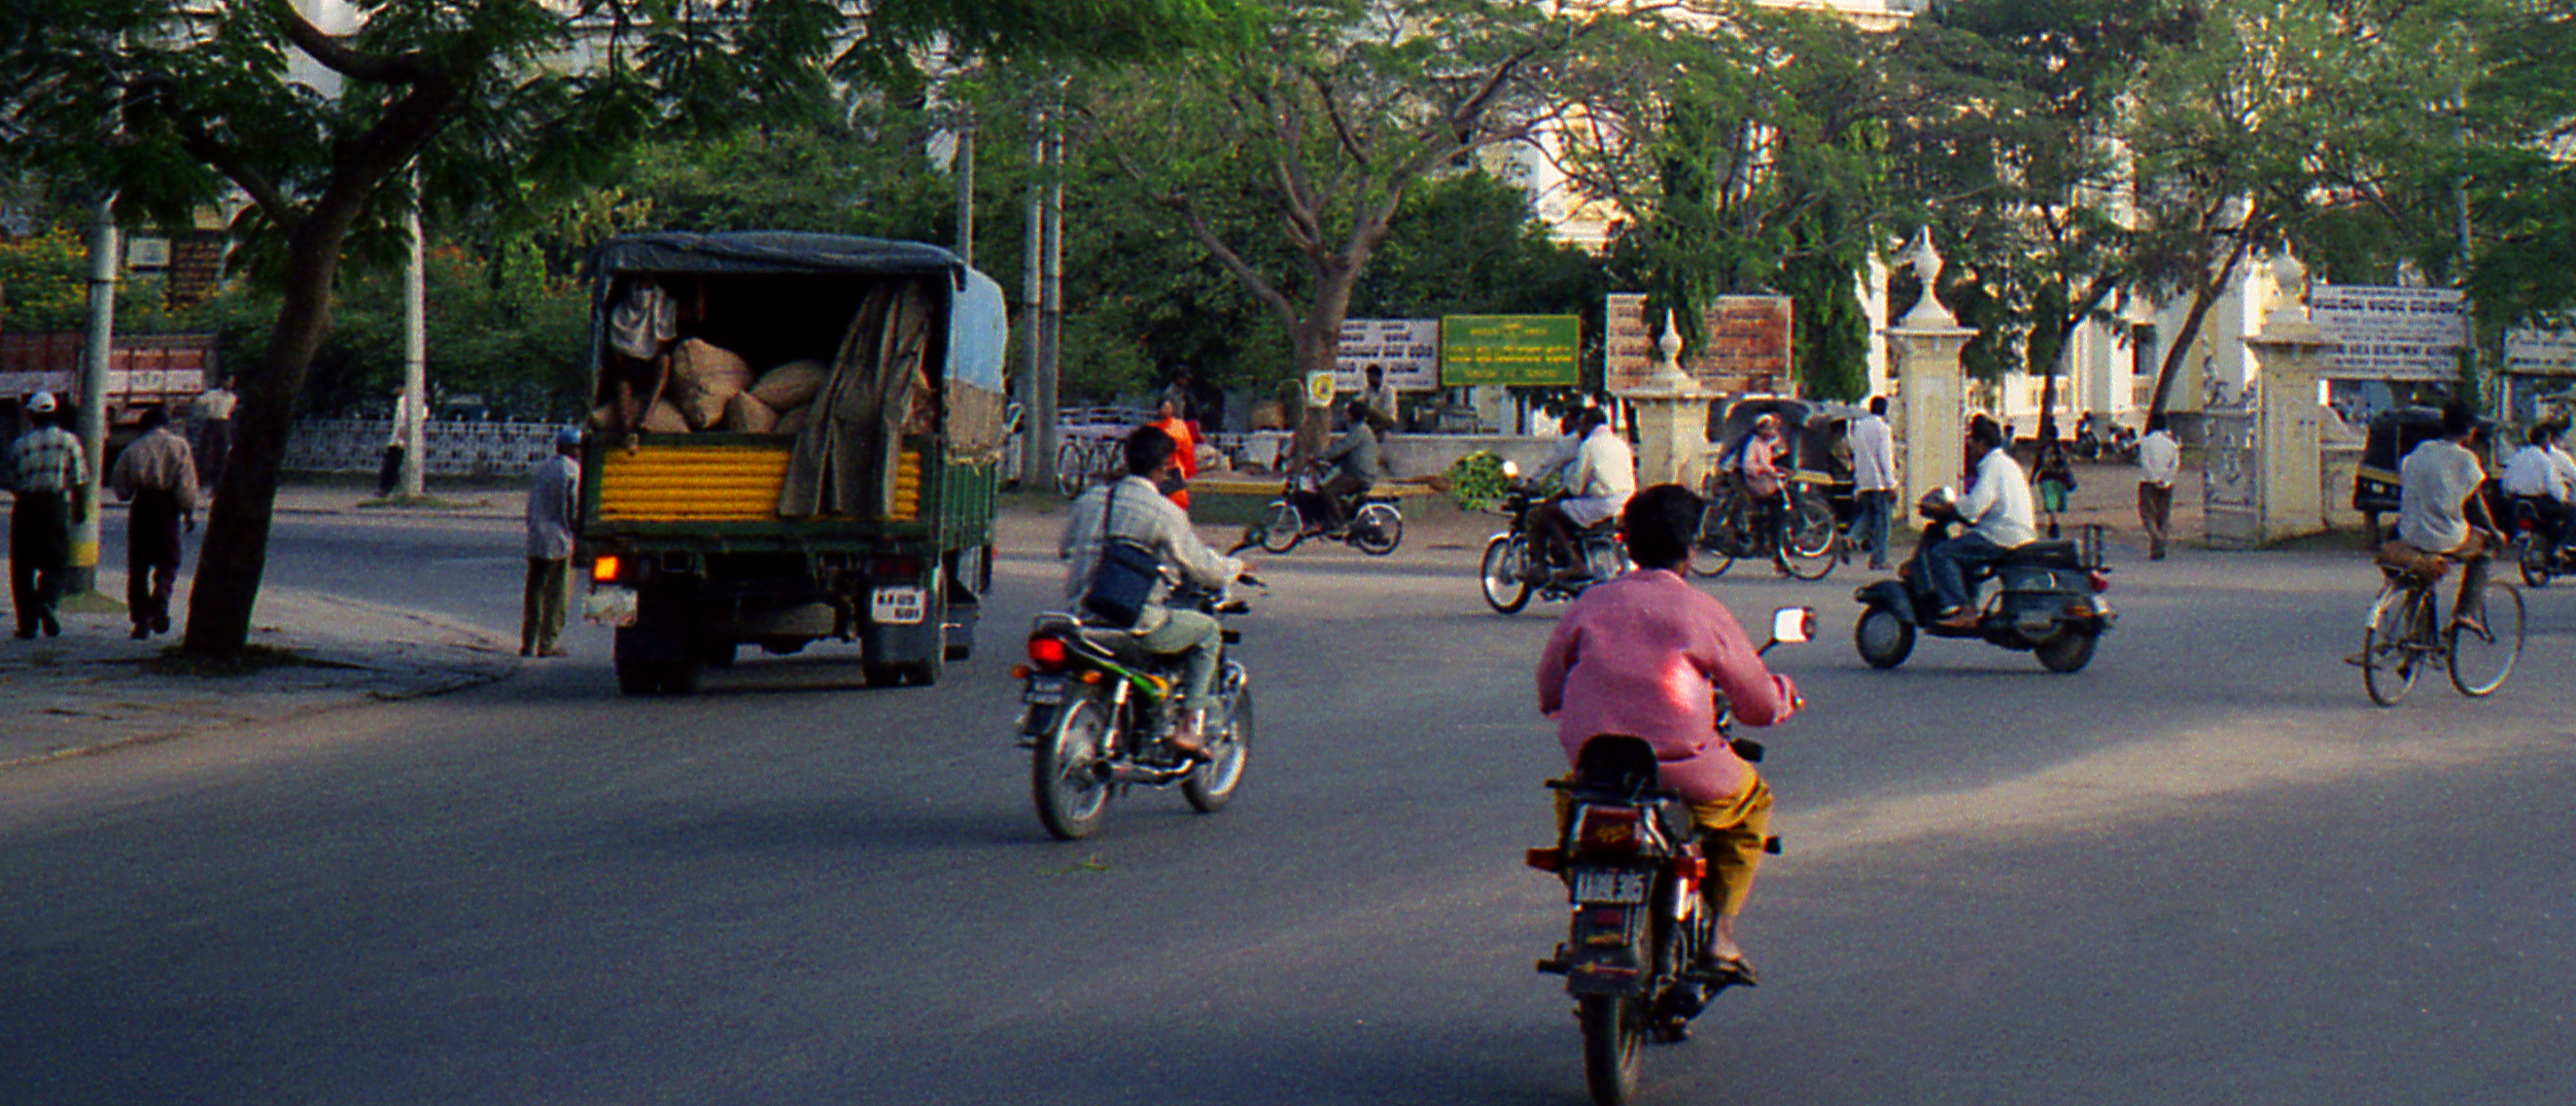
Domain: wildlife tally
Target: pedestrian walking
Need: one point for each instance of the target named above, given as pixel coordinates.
(552, 486)
(1873, 450)
(158, 475)
(2158, 459)
(214, 417)
(2054, 475)
(50, 478)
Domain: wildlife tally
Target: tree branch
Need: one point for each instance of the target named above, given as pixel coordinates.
(327, 50)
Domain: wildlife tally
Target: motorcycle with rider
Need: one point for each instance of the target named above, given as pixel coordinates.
(1663, 821)
(1133, 686)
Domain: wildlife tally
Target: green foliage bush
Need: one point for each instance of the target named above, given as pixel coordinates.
(1476, 481)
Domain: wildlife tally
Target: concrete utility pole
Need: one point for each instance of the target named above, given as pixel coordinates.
(415, 395)
(1037, 416)
(105, 253)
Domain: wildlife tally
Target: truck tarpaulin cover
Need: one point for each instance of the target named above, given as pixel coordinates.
(772, 252)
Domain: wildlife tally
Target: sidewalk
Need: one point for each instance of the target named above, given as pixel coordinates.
(94, 688)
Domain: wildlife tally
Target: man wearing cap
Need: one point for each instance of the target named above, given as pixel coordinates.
(552, 486)
(50, 473)
(158, 475)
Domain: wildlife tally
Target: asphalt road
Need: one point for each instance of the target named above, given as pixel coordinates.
(2203, 870)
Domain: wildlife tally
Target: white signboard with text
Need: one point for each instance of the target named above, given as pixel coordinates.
(1408, 349)
(2383, 333)
(2535, 352)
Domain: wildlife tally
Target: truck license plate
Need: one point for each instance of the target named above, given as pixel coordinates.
(1046, 691)
(1609, 886)
(609, 607)
(901, 606)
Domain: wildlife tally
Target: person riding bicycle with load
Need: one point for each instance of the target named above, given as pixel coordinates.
(2535, 476)
(2440, 516)
(1131, 510)
(1597, 485)
(1638, 656)
(1997, 513)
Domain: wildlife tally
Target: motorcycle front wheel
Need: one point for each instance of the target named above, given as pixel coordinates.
(1378, 529)
(1614, 1038)
(1211, 785)
(1883, 638)
(1071, 800)
(1505, 588)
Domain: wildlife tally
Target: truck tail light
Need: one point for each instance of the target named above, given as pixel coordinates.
(894, 568)
(603, 569)
(2100, 580)
(1545, 860)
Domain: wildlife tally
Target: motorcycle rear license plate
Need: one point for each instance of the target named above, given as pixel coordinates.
(1045, 691)
(1599, 885)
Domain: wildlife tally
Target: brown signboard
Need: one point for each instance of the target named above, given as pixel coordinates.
(1748, 344)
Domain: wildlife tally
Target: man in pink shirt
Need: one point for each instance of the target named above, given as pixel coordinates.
(1644, 655)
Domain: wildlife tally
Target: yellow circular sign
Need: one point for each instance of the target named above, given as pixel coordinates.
(1319, 389)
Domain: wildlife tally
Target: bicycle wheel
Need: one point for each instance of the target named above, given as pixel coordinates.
(1282, 526)
(1807, 539)
(2389, 654)
(2484, 638)
(1072, 468)
(1709, 556)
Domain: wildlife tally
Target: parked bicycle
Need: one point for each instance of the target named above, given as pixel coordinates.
(1082, 460)
(2405, 634)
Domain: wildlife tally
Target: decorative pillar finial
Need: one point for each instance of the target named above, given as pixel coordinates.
(1927, 265)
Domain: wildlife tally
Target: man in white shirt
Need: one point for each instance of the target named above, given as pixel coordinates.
(2437, 500)
(2534, 477)
(2159, 458)
(1873, 451)
(1597, 485)
(1997, 513)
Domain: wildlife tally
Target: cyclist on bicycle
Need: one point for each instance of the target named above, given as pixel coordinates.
(2439, 511)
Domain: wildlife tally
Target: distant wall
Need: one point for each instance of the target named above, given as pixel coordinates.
(452, 448)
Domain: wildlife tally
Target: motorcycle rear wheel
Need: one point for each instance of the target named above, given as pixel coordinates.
(1505, 590)
(2535, 563)
(1212, 784)
(1071, 801)
(2069, 651)
(1378, 529)
(1614, 1038)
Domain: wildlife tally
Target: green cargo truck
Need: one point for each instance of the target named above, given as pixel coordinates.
(797, 438)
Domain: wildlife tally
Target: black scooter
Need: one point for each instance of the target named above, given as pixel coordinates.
(2049, 602)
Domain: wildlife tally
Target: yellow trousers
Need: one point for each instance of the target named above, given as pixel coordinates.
(1731, 833)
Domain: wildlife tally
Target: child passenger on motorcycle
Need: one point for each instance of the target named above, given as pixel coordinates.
(1645, 655)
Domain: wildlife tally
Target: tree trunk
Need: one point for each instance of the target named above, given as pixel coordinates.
(2203, 298)
(1316, 339)
(235, 552)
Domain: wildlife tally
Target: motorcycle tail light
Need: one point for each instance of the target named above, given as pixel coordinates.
(603, 569)
(1606, 829)
(1545, 860)
(2100, 580)
(1048, 653)
(1689, 867)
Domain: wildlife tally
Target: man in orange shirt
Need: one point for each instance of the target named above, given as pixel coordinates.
(1167, 418)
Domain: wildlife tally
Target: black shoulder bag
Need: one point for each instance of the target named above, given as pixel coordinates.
(1122, 583)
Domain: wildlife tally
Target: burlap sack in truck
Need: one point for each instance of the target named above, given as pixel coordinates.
(746, 414)
(665, 419)
(791, 385)
(703, 379)
(793, 422)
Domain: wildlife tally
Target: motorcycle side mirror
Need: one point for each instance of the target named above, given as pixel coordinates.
(1793, 625)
